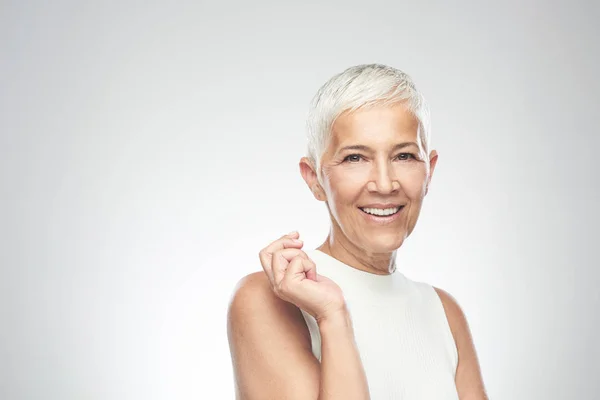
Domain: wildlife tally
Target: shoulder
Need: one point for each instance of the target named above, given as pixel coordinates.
(249, 287)
(269, 343)
(255, 309)
(454, 313)
(469, 381)
(456, 319)
(253, 293)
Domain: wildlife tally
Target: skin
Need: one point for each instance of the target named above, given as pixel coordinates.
(378, 174)
(382, 172)
(269, 341)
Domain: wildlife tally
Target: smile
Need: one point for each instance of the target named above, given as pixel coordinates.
(381, 212)
(382, 215)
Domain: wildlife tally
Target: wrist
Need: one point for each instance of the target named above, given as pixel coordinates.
(338, 318)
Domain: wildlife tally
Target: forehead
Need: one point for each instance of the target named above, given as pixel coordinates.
(375, 123)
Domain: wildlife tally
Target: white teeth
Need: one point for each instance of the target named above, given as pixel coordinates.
(381, 212)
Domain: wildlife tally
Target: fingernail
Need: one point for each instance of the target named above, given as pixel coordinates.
(296, 240)
(292, 232)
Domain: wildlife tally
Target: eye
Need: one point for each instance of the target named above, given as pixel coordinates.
(353, 158)
(406, 156)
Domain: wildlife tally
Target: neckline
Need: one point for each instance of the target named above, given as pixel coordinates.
(355, 271)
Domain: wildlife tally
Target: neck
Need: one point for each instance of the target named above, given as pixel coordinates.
(338, 246)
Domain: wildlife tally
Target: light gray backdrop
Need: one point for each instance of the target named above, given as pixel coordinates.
(149, 151)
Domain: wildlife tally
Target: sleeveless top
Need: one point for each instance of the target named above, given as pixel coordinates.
(401, 332)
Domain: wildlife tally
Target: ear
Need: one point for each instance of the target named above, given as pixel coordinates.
(307, 170)
(433, 157)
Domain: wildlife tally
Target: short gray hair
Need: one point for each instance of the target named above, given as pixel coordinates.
(358, 87)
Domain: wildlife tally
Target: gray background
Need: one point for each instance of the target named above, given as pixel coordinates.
(149, 151)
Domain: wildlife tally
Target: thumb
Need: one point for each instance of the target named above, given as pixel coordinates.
(303, 266)
(311, 269)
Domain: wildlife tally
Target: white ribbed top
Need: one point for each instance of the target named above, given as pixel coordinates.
(401, 331)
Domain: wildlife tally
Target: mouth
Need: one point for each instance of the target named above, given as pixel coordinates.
(383, 213)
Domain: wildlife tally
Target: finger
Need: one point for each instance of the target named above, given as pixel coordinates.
(281, 260)
(307, 268)
(311, 272)
(286, 284)
(282, 243)
(292, 235)
(296, 272)
(266, 254)
(265, 262)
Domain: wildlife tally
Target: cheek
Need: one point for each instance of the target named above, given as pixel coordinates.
(413, 184)
(344, 187)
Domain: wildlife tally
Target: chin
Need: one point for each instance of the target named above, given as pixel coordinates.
(384, 243)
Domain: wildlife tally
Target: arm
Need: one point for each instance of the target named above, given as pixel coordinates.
(272, 355)
(342, 373)
(469, 382)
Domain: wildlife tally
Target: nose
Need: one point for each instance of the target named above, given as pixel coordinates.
(384, 179)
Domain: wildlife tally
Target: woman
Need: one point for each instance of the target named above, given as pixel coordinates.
(340, 322)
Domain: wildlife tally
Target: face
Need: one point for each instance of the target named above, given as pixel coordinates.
(375, 177)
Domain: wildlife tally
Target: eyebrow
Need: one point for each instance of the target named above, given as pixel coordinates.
(367, 148)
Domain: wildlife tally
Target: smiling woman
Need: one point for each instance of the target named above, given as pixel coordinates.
(340, 321)
(374, 164)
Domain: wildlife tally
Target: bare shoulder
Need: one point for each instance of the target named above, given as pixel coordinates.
(454, 313)
(269, 343)
(253, 301)
(469, 381)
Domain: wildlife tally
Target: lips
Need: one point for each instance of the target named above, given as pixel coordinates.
(381, 205)
(381, 212)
